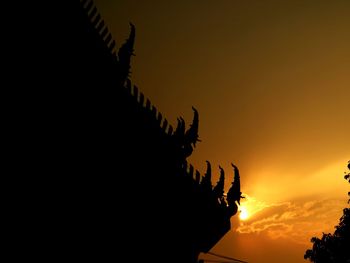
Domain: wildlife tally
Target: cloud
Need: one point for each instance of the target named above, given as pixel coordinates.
(297, 220)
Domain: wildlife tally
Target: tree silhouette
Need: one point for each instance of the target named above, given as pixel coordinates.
(333, 247)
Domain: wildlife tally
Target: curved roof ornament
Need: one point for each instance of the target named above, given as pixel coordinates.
(234, 193)
(192, 133)
(124, 54)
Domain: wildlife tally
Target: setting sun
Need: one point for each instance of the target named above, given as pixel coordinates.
(250, 206)
(243, 213)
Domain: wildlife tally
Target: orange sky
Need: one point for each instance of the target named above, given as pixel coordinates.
(271, 82)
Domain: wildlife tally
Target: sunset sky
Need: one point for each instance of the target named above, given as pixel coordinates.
(271, 82)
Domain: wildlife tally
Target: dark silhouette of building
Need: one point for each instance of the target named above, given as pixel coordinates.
(116, 170)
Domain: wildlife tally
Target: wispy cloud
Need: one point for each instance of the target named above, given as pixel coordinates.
(314, 205)
(297, 220)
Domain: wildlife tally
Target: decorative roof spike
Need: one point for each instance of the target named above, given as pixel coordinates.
(125, 53)
(111, 46)
(108, 39)
(100, 26)
(136, 92)
(159, 118)
(180, 128)
(192, 133)
(104, 32)
(219, 187)
(170, 130)
(92, 14)
(206, 180)
(165, 125)
(154, 111)
(141, 99)
(148, 104)
(234, 193)
(208, 173)
(96, 20)
(198, 177)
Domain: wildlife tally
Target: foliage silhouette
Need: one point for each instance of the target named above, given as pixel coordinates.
(333, 248)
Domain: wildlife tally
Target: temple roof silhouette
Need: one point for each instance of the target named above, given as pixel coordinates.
(125, 186)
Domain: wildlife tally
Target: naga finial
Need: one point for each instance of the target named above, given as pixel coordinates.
(234, 194)
(219, 187)
(192, 133)
(124, 54)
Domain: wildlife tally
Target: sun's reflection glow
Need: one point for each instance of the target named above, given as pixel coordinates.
(249, 207)
(244, 214)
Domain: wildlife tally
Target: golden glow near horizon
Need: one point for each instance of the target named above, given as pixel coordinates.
(295, 211)
(249, 207)
(244, 214)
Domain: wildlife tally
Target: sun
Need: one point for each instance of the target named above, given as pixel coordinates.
(243, 215)
(249, 207)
